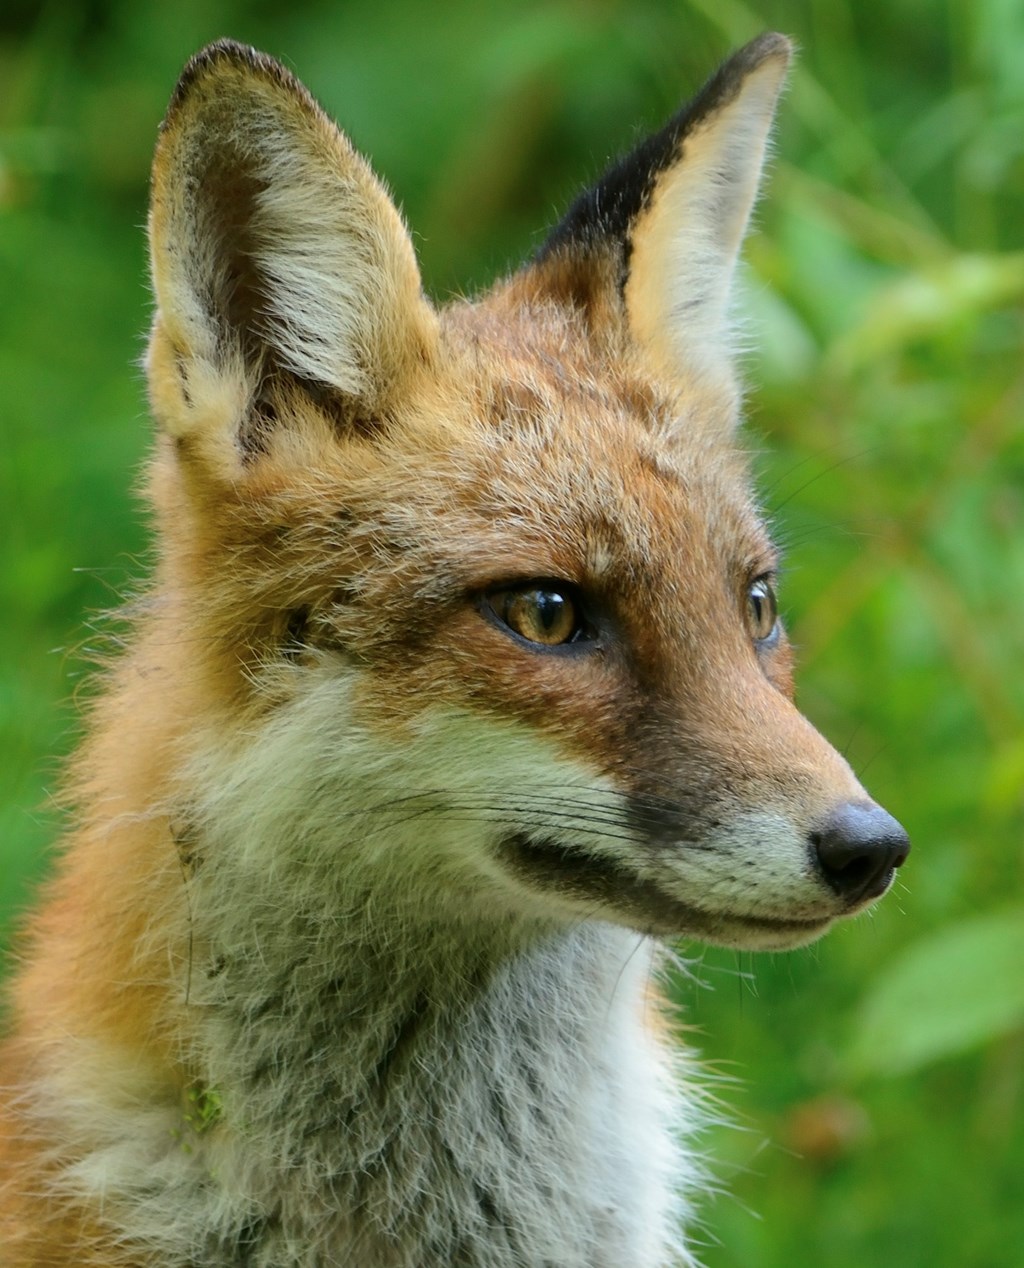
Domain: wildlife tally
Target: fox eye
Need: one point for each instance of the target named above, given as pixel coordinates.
(762, 610)
(543, 614)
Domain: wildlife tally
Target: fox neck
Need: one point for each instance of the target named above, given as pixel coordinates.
(424, 1099)
(379, 1068)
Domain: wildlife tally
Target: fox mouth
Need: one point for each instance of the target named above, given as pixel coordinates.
(617, 893)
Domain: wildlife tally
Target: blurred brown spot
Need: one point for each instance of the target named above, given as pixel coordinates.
(826, 1129)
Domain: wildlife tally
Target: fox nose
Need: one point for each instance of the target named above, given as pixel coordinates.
(858, 847)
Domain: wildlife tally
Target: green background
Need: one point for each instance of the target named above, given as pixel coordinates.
(872, 1085)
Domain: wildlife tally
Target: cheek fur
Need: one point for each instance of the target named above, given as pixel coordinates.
(573, 698)
(778, 665)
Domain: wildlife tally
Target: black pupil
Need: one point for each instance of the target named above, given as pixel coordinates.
(762, 607)
(549, 606)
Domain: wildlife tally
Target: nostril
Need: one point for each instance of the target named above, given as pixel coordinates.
(858, 848)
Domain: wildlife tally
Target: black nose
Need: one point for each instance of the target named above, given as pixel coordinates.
(858, 848)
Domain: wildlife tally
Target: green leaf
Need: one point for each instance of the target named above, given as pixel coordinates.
(951, 992)
(926, 302)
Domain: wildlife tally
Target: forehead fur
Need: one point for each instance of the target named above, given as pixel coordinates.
(571, 431)
(525, 450)
(528, 447)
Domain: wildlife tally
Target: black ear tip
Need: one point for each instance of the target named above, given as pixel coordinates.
(225, 48)
(221, 53)
(725, 83)
(771, 45)
(774, 44)
(234, 53)
(606, 213)
(213, 55)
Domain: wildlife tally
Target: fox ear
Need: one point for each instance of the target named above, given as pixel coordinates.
(655, 242)
(279, 262)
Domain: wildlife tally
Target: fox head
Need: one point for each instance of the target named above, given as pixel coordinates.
(478, 602)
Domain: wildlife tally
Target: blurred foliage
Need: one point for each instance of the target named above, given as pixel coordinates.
(878, 1076)
(953, 1006)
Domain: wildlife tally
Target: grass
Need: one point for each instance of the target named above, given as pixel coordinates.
(885, 290)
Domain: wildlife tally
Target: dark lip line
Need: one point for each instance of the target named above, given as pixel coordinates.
(582, 875)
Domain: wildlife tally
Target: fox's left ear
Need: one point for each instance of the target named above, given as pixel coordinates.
(655, 242)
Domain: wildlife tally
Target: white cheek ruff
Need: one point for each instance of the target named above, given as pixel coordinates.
(317, 789)
(430, 818)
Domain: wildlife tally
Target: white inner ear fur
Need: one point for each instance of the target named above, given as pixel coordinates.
(339, 264)
(686, 244)
(341, 288)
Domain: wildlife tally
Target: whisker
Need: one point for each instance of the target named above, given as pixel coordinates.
(543, 813)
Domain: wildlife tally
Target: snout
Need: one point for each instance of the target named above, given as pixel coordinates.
(857, 850)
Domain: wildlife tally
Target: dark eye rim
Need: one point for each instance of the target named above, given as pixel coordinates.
(585, 640)
(767, 581)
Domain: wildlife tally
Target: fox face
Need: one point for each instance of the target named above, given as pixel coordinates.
(475, 606)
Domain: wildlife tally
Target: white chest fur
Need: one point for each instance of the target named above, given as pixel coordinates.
(382, 1081)
(471, 1113)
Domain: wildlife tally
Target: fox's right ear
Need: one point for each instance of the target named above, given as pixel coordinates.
(279, 263)
(651, 249)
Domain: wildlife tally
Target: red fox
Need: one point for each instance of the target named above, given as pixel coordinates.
(459, 686)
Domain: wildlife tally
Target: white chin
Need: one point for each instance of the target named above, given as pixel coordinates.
(764, 935)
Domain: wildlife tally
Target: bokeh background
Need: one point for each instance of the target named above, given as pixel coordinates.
(873, 1083)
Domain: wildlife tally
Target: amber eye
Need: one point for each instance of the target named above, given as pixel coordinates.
(540, 614)
(762, 610)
